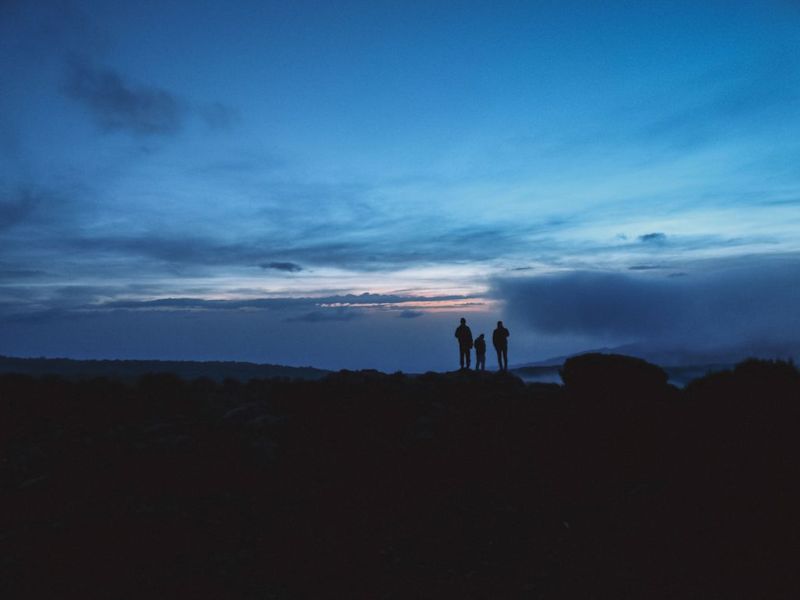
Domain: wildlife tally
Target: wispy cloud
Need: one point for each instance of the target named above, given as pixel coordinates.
(63, 33)
(653, 238)
(289, 267)
(84, 300)
(31, 302)
(120, 105)
(278, 303)
(32, 214)
(341, 246)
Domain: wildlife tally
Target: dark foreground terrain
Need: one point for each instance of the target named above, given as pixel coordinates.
(364, 485)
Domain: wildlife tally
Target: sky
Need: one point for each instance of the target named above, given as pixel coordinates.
(336, 183)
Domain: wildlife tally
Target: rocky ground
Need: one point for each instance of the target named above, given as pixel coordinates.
(364, 485)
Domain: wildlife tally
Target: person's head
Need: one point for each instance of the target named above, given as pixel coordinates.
(480, 336)
(499, 323)
(463, 320)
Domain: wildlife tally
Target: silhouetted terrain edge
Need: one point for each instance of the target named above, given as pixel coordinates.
(133, 369)
(365, 485)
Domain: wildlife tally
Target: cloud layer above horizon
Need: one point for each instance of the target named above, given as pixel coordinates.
(736, 308)
(596, 174)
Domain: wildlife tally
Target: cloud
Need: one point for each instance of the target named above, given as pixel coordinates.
(119, 105)
(42, 211)
(587, 302)
(175, 250)
(63, 33)
(750, 302)
(653, 238)
(84, 301)
(281, 303)
(342, 245)
(336, 340)
(289, 267)
(422, 243)
(35, 302)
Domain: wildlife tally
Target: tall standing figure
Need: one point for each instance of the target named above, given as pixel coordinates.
(500, 342)
(464, 337)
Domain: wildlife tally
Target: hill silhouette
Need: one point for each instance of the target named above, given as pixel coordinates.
(133, 369)
(367, 485)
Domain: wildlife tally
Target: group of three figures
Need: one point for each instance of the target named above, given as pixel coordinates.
(465, 344)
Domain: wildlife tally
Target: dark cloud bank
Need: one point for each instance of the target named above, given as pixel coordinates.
(728, 312)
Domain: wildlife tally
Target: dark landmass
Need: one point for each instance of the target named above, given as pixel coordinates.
(682, 364)
(677, 375)
(134, 369)
(540, 374)
(365, 485)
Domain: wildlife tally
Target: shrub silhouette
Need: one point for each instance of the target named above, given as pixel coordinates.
(598, 376)
(766, 382)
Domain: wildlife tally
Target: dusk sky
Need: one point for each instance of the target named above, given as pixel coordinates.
(336, 183)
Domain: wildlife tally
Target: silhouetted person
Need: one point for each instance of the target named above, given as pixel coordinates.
(464, 337)
(500, 342)
(480, 353)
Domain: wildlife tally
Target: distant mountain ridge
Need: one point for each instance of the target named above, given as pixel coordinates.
(678, 375)
(681, 365)
(133, 369)
(673, 358)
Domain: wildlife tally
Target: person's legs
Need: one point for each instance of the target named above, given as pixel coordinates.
(505, 359)
(467, 352)
(461, 356)
(499, 359)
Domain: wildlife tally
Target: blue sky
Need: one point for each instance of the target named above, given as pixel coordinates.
(337, 183)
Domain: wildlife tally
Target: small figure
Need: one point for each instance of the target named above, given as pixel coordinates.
(464, 336)
(500, 342)
(480, 353)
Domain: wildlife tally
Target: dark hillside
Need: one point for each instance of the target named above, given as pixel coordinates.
(365, 485)
(134, 369)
